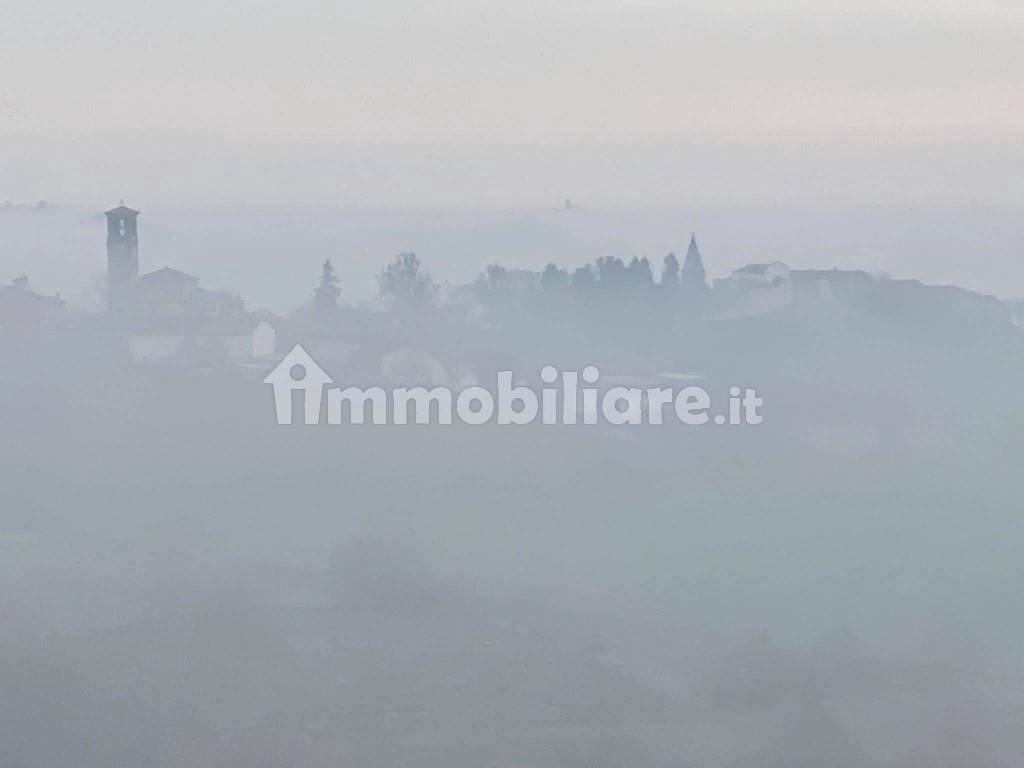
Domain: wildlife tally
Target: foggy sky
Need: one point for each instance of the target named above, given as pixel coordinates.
(493, 103)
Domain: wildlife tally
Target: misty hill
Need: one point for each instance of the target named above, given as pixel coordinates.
(270, 256)
(185, 582)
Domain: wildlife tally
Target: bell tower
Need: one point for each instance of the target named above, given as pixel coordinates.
(122, 250)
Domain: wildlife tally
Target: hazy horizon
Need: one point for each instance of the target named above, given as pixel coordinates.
(271, 255)
(484, 103)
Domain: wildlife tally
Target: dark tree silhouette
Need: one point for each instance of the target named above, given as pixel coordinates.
(611, 273)
(553, 279)
(639, 272)
(325, 298)
(670, 272)
(495, 279)
(584, 279)
(405, 280)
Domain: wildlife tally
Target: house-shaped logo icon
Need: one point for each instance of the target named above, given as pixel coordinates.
(298, 371)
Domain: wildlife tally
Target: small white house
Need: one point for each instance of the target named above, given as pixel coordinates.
(756, 289)
(264, 340)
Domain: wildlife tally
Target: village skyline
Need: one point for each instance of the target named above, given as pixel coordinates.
(61, 249)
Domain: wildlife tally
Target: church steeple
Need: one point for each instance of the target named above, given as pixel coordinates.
(693, 276)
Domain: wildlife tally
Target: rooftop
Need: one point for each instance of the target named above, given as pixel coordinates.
(168, 275)
(122, 210)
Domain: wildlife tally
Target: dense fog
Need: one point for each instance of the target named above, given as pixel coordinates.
(487, 384)
(184, 582)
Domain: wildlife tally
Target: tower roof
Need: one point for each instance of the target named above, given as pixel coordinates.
(693, 260)
(122, 210)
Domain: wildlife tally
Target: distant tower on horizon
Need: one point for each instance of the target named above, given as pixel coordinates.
(122, 250)
(693, 278)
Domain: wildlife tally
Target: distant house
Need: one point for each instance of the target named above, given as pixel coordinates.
(759, 289)
(170, 317)
(755, 289)
(166, 284)
(764, 275)
(22, 310)
(264, 340)
(174, 295)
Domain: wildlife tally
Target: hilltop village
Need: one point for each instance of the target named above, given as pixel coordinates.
(640, 319)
